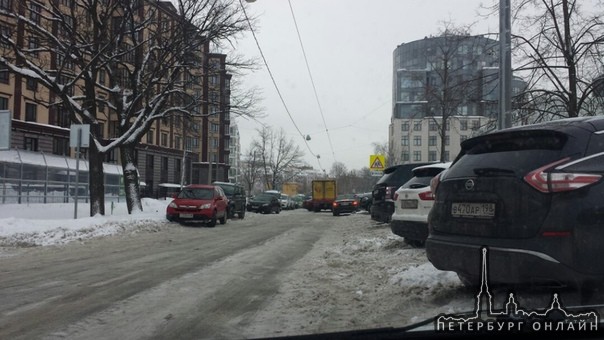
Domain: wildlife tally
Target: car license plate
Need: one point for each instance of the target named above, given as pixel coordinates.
(473, 210)
(186, 215)
(345, 203)
(409, 204)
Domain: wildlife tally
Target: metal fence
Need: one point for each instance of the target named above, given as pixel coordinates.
(35, 177)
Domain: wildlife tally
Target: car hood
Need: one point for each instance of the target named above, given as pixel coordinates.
(194, 202)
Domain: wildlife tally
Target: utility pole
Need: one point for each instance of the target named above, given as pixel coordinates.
(505, 66)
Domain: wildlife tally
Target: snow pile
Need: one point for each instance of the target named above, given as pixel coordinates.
(52, 224)
(424, 279)
(357, 276)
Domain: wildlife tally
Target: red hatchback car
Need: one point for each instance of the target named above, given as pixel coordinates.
(198, 202)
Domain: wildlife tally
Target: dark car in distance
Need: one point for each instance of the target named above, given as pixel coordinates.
(199, 203)
(382, 196)
(346, 203)
(237, 200)
(266, 203)
(533, 196)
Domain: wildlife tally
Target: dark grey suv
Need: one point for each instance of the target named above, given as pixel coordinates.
(237, 198)
(534, 196)
(382, 196)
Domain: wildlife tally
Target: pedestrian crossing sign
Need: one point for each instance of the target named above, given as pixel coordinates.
(377, 162)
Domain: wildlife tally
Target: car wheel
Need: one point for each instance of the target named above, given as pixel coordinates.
(415, 243)
(223, 219)
(278, 211)
(241, 214)
(212, 222)
(335, 213)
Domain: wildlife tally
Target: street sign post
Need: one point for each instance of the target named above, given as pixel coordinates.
(377, 163)
(78, 138)
(5, 129)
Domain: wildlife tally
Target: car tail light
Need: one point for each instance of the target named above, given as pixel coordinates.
(388, 192)
(396, 196)
(550, 182)
(426, 196)
(173, 205)
(434, 182)
(355, 203)
(334, 204)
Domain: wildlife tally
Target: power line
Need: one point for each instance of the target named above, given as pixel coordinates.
(275, 84)
(311, 79)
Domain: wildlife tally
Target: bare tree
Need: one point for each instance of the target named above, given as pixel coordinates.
(384, 149)
(278, 156)
(452, 80)
(251, 169)
(558, 51)
(136, 60)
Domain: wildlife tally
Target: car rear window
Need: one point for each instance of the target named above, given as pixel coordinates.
(422, 178)
(399, 174)
(508, 154)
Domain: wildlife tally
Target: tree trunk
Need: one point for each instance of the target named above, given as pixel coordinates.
(96, 181)
(131, 180)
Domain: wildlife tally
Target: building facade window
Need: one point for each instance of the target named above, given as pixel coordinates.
(31, 112)
(31, 84)
(30, 143)
(463, 125)
(3, 103)
(6, 32)
(405, 126)
(34, 12)
(177, 142)
(432, 156)
(164, 139)
(405, 141)
(447, 140)
(417, 126)
(6, 5)
(446, 156)
(4, 73)
(150, 162)
(417, 140)
(405, 156)
(417, 156)
(60, 146)
(432, 126)
(150, 134)
(33, 45)
(432, 140)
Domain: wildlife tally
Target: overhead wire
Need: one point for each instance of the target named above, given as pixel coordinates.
(312, 80)
(277, 87)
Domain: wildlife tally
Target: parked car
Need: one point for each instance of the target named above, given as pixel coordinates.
(347, 203)
(533, 195)
(237, 200)
(198, 202)
(365, 201)
(307, 203)
(265, 203)
(286, 202)
(413, 201)
(382, 197)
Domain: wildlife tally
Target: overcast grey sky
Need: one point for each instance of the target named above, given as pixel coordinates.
(349, 46)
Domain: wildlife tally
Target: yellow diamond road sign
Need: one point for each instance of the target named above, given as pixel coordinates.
(377, 162)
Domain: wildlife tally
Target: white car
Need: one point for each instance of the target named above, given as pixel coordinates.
(412, 204)
(286, 202)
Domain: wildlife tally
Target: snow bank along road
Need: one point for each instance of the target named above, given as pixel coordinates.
(264, 276)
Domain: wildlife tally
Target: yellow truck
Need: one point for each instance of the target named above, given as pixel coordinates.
(324, 193)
